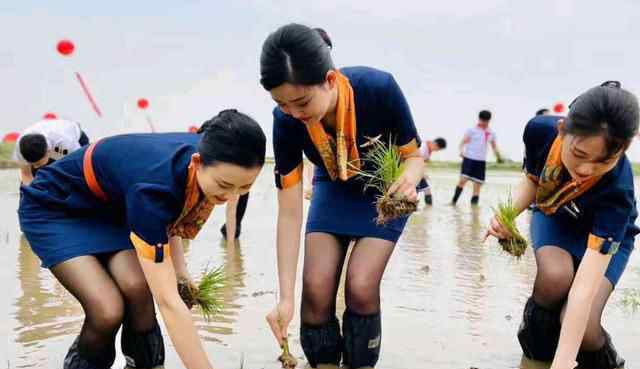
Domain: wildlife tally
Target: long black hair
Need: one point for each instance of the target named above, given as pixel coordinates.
(296, 54)
(607, 110)
(232, 137)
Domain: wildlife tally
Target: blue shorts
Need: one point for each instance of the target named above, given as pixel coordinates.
(562, 231)
(474, 170)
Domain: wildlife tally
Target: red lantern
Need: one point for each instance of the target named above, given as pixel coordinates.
(11, 137)
(193, 129)
(49, 116)
(143, 103)
(558, 107)
(66, 47)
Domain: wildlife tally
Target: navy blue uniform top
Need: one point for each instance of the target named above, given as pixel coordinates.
(608, 209)
(381, 109)
(143, 175)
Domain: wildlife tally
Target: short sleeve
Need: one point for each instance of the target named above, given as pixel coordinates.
(467, 135)
(287, 149)
(613, 212)
(492, 137)
(406, 134)
(537, 137)
(151, 208)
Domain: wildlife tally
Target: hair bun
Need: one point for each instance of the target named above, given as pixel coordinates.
(325, 37)
(614, 84)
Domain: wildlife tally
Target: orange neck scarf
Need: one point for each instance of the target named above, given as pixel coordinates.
(552, 192)
(196, 210)
(340, 156)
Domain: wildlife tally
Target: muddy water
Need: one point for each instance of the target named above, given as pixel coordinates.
(449, 301)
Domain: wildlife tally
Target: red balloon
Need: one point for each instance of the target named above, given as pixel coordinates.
(11, 137)
(193, 129)
(558, 107)
(143, 103)
(66, 47)
(50, 116)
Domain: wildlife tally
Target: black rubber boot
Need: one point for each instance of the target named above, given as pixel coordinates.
(143, 350)
(428, 200)
(456, 195)
(605, 358)
(321, 344)
(240, 210)
(362, 335)
(223, 230)
(78, 359)
(539, 331)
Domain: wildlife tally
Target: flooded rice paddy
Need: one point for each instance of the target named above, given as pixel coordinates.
(449, 301)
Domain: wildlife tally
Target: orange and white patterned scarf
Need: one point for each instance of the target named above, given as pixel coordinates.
(552, 192)
(340, 156)
(195, 212)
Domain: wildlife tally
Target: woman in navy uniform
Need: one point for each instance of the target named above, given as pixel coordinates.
(582, 226)
(108, 221)
(331, 114)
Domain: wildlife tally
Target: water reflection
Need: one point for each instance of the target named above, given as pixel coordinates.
(449, 300)
(44, 310)
(233, 267)
(470, 287)
(532, 364)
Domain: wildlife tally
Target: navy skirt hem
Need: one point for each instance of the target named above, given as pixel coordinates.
(57, 236)
(344, 209)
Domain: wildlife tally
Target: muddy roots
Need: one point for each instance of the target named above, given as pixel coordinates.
(515, 246)
(207, 294)
(287, 360)
(390, 208)
(188, 292)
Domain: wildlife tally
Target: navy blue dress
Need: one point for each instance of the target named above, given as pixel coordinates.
(343, 207)
(607, 210)
(144, 177)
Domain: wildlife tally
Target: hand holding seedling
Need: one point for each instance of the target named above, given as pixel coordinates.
(497, 229)
(187, 289)
(503, 227)
(405, 187)
(279, 319)
(207, 294)
(394, 179)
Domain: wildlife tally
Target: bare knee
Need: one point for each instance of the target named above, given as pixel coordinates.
(362, 295)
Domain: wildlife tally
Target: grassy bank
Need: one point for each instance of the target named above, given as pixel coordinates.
(511, 166)
(6, 151)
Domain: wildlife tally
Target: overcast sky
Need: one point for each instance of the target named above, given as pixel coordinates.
(194, 58)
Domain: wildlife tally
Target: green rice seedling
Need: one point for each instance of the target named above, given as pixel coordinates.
(507, 214)
(207, 294)
(6, 150)
(387, 168)
(631, 299)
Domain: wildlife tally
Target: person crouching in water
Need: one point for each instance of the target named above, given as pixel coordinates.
(582, 226)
